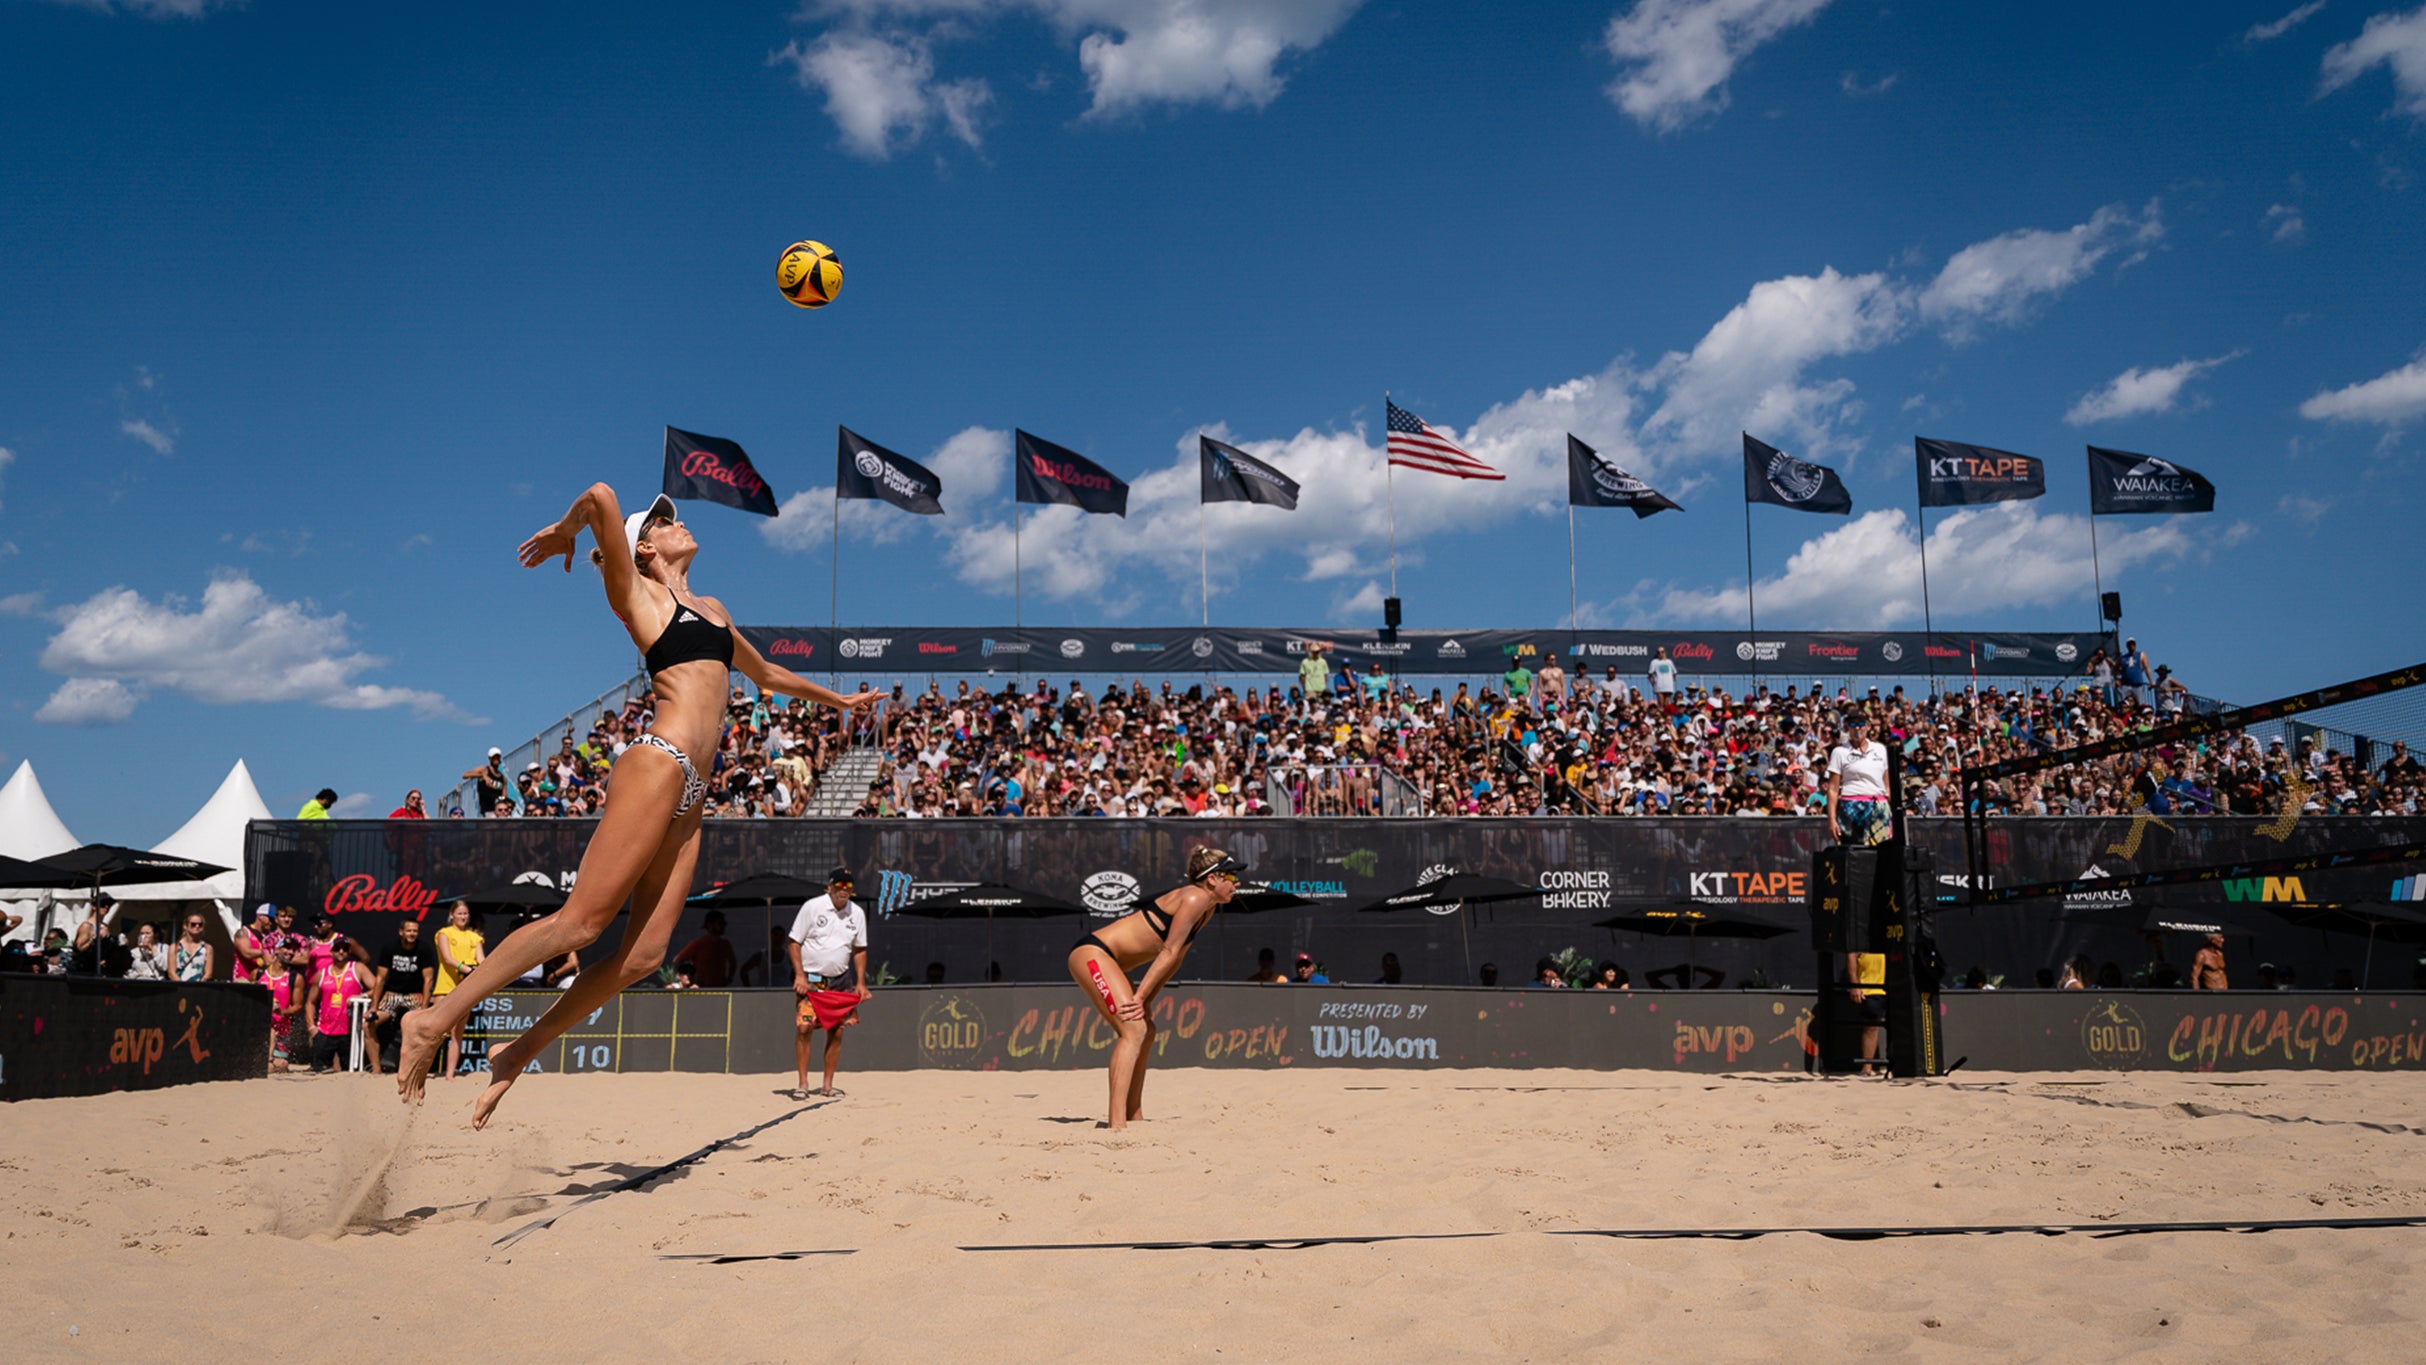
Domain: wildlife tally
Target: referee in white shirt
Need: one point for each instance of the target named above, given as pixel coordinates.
(829, 951)
(1857, 786)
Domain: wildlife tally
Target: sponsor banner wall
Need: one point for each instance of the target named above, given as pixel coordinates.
(63, 1036)
(1055, 1028)
(1782, 657)
(370, 872)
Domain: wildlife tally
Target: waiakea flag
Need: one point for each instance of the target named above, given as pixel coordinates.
(1594, 482)
(712, 469)
(1956, 475)
(2121, 483)
(1232, 475)
(1773, 476)
(1049, 473)
(864, 469)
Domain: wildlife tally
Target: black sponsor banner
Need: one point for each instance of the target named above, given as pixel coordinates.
(713, 469)
(1777, 655)
(1047, 473)
(2122, 483)
(1953, 474)
(1594, 482)
(1236, 1026)
(63, 1036)
(864, 469)
(368, 873)
(1228, 474)
(1775, 477)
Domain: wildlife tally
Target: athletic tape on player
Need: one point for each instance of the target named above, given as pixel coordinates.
(1861, 1234)
(656, 1173)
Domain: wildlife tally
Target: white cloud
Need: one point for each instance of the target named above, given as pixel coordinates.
(1747, 372)
(239, 646)
(2305, 510)
(1866, 574)
(876, 62)
(154, 9)
(357, 806)
(2284, 225)
(1853, 84)
(1362, 607)
(2268, 32)
(7, 457)
(1676, 55)
(88, 701)
(2397, 41)
(164, 442)
(21, 604)
(971, 465)
(2392, 398)
(2135, 392)
(1998, 280)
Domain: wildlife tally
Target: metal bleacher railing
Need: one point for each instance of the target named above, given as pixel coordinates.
(538, 747)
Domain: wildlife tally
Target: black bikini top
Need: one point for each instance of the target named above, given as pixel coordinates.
(1159, 920)
(690, 636)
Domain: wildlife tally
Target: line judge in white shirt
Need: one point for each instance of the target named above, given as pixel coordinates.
(1857, 786)
(829, 952)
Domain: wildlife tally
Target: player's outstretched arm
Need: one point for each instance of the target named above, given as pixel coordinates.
(775, 678)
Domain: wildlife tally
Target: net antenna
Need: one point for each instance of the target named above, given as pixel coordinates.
(2360, 720)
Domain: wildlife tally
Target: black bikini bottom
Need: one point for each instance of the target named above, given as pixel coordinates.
(1091, 939)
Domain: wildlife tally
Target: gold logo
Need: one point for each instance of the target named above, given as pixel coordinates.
(2113, 1036)
(951, 1031)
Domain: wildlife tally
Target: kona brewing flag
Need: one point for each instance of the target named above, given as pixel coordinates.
(1232, 475)
(864, 469)
(1956, 475)
(2121, 483)
(1049, 473)
(1418, 446)
(1594, 482)
(1773, 476)
(712, 469)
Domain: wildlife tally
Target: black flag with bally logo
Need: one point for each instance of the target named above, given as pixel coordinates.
(864, 469)
(712, 469)
(1049, 473)
(1953, 474)
(2121, 483)
(1232, 475)
(1773, 476)
(1594, 482)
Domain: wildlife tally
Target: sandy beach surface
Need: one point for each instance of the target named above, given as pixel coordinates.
(247, 1220)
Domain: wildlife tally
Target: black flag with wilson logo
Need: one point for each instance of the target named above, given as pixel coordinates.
(712, 469)
(864, 469)
(1956, 475)
(1232, 475)
(1049, 473)
(1773, 476)
(1594, 482)
(2121, 483)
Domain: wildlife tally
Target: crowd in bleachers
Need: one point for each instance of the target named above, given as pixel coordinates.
(1345, 742)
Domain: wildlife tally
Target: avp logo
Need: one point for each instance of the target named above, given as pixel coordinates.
(2269, 890)
(1110, 894)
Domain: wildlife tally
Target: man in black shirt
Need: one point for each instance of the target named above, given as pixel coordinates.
(404, 975)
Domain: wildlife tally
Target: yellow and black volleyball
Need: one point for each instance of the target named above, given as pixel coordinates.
(809, 274)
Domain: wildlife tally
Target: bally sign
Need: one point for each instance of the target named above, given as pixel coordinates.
(362, 893)
(712, 469)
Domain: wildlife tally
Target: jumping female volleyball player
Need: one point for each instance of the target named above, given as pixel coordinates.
(1158, 934)
(647, 842)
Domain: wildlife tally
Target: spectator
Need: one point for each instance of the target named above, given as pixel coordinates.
(96, 952)
(151, 960)
(1546, 976)
(686, 978)
(1308, 973)
(1488, 975)
(318, 807)
(489, 781)
(711, 954)
(1552, 683)
(190, 957)
(411, 809)
(1314, 671)
(934, 973)
(1662, 674)
(286, 1005)
(460, 948)
(1611, 977)
(335, 986)
(1518, 680)
(1267, 969)
(1390, 973)
(2207, 967)
(2135, 672)
(406, 973)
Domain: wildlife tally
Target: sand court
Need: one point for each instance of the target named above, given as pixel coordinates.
(968, 1212)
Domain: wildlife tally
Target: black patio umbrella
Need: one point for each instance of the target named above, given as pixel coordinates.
(515, 896)
(1450, 894)
(2157, 919)
(101, 866)
(1251, 898)
(2392, 923)
(761, 888)
(1691, 924)
(992, 900)
(17, 872)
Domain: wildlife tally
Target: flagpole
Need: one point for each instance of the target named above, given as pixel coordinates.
(1019, 670)
(2098, 606)
(1392, 485)
(1204, 560)
(834, 597)
(1920, 514)
(1751, 613)
(1571, 622)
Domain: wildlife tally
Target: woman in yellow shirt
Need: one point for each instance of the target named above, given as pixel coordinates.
(460, 947)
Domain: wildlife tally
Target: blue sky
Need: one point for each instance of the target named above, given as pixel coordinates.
(311, 313)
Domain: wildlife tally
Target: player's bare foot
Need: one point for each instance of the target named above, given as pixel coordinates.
(418, 1048)
(505, 1068)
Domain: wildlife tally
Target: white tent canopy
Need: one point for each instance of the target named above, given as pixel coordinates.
(215, 834)
(29, 828)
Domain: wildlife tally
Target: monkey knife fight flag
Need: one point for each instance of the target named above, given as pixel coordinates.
(1594, 482)
(1956, 475)
(712, 469)
(1049, 473)
(1232, 475)
(1773, 476)
(864, 469)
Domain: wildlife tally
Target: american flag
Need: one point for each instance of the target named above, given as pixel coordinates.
(1429, 448)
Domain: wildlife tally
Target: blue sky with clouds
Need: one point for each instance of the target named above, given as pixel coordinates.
(313, 312)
